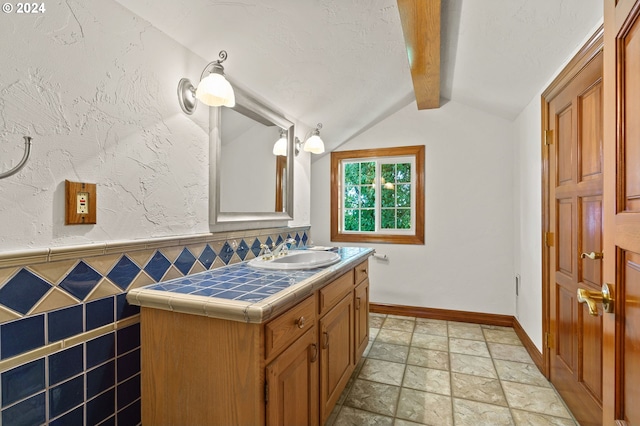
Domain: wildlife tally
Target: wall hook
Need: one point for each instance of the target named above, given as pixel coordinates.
(25, 157)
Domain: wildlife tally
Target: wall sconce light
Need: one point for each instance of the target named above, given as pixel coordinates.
(213, 90)
(312, 142)
(280, 147)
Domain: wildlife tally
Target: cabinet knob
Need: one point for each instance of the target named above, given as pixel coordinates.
(300, 322)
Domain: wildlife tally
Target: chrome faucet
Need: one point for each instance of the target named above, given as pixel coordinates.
(282, 249)
(265, 252)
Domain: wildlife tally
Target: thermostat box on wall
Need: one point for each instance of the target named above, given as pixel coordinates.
(80, 203)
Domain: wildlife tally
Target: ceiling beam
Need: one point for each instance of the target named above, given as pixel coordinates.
(421, 27)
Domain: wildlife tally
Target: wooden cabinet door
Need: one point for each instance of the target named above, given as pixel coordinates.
(292, 384)
(361, 300)
(336, 354)
(621, 344)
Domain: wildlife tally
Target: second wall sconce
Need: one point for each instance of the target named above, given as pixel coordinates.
(213, 89)
(312, 142)
(280, 147)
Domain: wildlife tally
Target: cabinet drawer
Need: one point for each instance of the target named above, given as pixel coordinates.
(362, 271)
(285, 329)
(333, 292)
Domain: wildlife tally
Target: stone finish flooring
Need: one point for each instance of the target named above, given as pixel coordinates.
(428, 372)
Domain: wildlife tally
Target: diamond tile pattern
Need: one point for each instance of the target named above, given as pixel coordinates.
(255, 247)
(242, 249)
(207, 257)
(97, 382)
(81, 280)
(26, 290)
(226, 253)
(157, 266)
(23, 291)
(185, 261)
(124, 272)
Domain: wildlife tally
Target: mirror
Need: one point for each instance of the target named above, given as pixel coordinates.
(249, 187)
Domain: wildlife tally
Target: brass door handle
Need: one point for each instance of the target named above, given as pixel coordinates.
(591, 297)
(593, 255)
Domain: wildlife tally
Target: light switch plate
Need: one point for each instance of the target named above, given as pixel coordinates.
(80, 203)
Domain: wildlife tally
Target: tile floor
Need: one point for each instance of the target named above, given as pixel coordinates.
(428, 372)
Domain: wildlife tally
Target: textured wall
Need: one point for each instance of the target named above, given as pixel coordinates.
(95, 86)
(466, 262)
(528, 225)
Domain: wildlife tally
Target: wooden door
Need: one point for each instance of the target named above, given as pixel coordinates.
(336, 355)
(622, 214)
(292, 378)
(575, 219)
(361, 294)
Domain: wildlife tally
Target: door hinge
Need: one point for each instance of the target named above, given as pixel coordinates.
(266, 392)
(548, 239)
(549, 339)
(548, 137)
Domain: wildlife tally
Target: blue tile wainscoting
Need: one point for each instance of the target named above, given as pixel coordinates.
(70, 342)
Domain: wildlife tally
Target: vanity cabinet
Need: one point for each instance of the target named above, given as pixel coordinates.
(292, 378)
(361, 314)
(336, 356)
(289, 370)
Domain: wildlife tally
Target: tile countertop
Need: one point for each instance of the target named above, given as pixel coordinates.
(241, 293)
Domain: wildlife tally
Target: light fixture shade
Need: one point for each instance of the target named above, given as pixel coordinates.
(280, 147)
(314, 145)
(215, 90)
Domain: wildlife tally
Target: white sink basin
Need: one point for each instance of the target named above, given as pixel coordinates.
(297, 260)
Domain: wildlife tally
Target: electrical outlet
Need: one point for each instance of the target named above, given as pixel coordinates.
(80, 203)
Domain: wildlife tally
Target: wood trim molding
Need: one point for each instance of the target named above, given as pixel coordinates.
(421, 28)
(546, 315)
(281, 169)
(442, 314)
(464, 316)
(589, 50)
(418, 151)
(528, 344)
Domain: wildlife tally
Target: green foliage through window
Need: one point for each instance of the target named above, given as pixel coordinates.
(377, 191)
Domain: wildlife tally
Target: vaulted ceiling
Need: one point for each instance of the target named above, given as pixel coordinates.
(344, 62)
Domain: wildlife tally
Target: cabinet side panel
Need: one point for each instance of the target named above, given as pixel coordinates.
(199, 370)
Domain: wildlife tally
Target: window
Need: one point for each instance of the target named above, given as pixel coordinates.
(377, 195)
